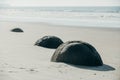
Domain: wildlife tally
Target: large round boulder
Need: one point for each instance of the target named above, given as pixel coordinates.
(77, 53)
(17, 30)
(49, 42)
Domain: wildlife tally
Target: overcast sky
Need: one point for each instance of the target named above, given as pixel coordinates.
(61, 2)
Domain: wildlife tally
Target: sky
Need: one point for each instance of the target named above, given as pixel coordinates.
(61, 2)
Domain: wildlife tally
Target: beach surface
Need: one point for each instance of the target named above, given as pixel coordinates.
(20, 59)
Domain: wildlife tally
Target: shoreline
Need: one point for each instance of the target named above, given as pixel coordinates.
(86, 22)
(58, 25)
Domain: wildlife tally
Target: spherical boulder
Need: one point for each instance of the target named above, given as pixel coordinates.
(77, 53)
(17, 30)
(49, 42)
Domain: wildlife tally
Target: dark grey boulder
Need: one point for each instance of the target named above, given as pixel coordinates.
(49, 42)
(77, 53)
(17, 30)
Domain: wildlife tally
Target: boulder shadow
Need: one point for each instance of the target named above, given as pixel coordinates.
(104, 67)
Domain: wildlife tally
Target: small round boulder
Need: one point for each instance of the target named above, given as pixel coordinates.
(77, 53)
(49, 42)
(17, 30)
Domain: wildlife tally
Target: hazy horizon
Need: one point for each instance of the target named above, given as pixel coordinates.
(8, 6)
(36, 3)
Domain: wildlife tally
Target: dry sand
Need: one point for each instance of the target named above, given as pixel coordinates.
(21, 60)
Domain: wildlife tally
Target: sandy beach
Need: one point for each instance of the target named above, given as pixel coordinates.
(20, 59)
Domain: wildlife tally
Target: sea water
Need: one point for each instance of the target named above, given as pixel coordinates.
(71, 16)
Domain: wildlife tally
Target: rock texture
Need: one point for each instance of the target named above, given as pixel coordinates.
(77, 53)
(49, 42)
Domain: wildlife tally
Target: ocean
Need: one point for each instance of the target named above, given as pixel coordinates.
(71, 16)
